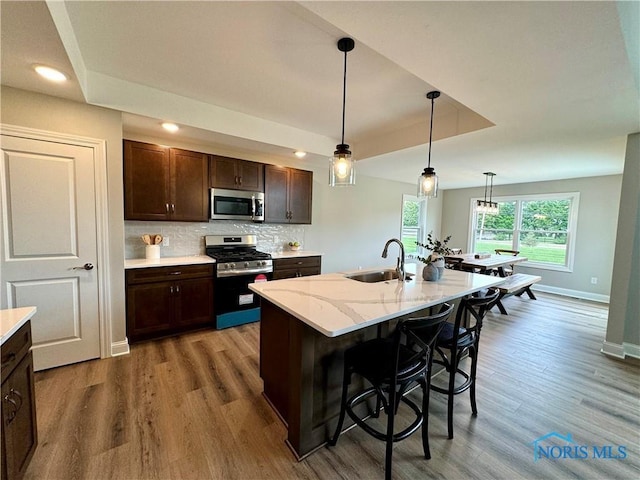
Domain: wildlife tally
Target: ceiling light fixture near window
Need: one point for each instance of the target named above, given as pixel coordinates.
(50, 73)
(489, 207)
(428, 181)
(300, 154)
(170, 127)
(342, 171)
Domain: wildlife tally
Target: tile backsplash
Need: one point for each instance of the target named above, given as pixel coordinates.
(188, 238)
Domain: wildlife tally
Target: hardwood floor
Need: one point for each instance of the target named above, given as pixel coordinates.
(190, 407)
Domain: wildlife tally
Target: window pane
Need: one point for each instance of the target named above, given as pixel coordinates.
(495, 231)
(410, 216)
(543, 237)
(544, 248)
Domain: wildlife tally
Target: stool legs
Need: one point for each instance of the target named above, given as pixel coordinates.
(343, 402)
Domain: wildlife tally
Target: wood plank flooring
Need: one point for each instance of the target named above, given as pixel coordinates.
(190, 407)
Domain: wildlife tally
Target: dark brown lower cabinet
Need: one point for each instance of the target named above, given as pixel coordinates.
(296, 267)
(19, 428)
(168, 300)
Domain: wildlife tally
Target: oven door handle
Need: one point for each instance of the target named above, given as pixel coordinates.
(241, 273)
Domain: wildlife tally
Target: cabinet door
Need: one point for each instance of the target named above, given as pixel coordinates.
(194, 302)
(276, 180)
(146, 181)
(300, 187)
(150, 309)
(250, 176)
(19, 432)
(189, 186)
(223, 172)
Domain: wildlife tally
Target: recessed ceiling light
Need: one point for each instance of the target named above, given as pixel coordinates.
(300, 153)
(170, 127)
(50, 73)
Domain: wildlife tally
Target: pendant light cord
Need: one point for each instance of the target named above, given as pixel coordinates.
(430, 134)
(486, 182)
(344, 94)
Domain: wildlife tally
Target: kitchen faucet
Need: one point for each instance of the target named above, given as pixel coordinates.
(400, 263)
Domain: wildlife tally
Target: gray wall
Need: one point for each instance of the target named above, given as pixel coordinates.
(32, 110)
(596, 235)
(623, 328)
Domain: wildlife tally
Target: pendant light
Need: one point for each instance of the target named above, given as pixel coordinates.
(490, 207)
(342, 172)
(428, 181)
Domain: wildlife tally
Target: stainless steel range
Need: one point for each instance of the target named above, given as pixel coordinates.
(238, 264)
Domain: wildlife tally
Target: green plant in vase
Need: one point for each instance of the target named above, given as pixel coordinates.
(434, 262)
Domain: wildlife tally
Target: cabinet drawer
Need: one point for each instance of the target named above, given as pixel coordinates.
(161, 274)
(15, 349)
(296, 262)
(295, 272)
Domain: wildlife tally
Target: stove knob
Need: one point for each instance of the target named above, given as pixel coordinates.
(232, 265)
(246, 264)
(263, 263)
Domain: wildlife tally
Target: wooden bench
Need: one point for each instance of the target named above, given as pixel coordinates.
(515, 284)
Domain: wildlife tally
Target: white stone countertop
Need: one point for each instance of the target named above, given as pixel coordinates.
(12, 319)
(167, 261)
(295, 254)
(334, 305)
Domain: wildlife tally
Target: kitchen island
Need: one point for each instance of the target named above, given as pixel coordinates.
(307, 323)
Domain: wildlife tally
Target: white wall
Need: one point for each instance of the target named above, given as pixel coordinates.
(596, 230)
(53, 114)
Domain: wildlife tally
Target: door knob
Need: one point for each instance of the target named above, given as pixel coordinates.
(86, 266)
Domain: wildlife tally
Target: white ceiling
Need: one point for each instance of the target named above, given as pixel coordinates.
(531, 90)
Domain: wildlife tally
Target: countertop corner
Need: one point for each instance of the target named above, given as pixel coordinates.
(12, 319)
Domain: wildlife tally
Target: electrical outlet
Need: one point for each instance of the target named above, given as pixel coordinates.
(165, 241)
(594, 280)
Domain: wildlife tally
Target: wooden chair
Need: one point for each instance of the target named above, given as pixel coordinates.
(392, 365)
(507, 270)
(463, 336)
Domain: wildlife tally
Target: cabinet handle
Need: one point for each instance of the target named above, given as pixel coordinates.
(8, 359)
(167, 207)
(239, 180)
(171, 289)
(14, 412)
(175, 273)
(177, 288)
(173, 208)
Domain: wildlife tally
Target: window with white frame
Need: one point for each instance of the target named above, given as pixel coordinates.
(541, 227)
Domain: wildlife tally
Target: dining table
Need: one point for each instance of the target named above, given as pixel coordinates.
(486, 263)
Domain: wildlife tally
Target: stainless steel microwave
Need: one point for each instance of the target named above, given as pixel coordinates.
(237, 205)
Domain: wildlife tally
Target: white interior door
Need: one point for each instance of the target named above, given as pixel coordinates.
(48, 237)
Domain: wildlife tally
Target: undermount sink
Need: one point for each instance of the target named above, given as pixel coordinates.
(377, 276)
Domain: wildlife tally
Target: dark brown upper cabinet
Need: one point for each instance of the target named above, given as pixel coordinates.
(287, 194)
(162, 183)
(235, 174)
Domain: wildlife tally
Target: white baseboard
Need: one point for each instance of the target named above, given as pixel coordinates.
(620, 351)
(613, 349)
(120, 348)
(595, 297)
(631, 350)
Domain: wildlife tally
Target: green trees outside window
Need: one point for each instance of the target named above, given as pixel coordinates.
(541, 227)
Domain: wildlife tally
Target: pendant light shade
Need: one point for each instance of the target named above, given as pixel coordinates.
(488, 207)
(342, 171)
(428, 181)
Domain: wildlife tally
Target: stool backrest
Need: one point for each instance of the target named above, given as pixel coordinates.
(476, 307)
(422, 332)
(501, 251)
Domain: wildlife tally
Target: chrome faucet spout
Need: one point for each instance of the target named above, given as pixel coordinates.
(400, 263)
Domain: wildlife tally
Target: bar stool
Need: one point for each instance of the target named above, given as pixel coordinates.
(391, 365)
(458, 338)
